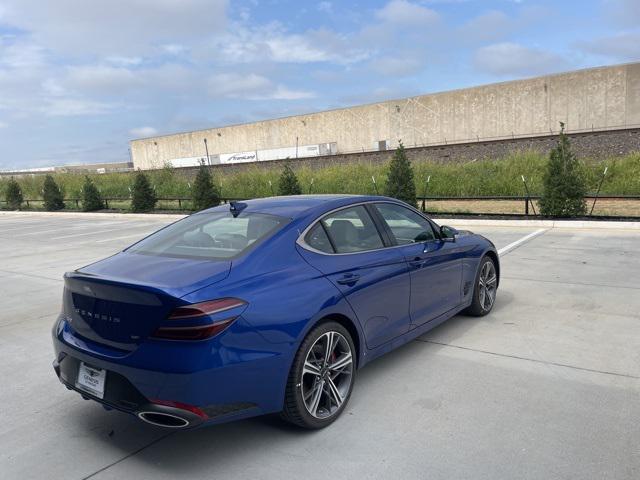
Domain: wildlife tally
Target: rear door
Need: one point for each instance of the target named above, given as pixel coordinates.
(348, 248)
(435, 265)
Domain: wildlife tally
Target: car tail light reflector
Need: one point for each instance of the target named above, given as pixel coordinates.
(182, 406)
(198, 310)
(201, 332)
(206, 308)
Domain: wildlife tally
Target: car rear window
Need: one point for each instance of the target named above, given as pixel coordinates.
(210, 235)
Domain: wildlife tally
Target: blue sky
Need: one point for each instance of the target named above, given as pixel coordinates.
(80, 78)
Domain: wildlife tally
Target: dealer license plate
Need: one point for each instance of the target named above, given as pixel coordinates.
(91, 380)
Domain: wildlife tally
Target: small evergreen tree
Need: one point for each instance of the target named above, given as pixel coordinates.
(205, 193)
(143, 197)
(13, 195)
(91, 198)
(288, 183)
(52, 195)
(564, 186)
(400, 183)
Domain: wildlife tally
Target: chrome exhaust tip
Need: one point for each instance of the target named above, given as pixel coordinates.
(162, 419)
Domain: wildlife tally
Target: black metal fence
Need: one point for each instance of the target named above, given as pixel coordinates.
(183, 203)
(529, 204)
(426, 204)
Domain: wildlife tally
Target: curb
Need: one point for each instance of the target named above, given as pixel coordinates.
(594, 225)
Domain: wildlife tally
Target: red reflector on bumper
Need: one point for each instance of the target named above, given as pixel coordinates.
(181, 406)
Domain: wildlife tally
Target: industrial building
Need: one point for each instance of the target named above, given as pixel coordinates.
(81, 168)
(596, 99)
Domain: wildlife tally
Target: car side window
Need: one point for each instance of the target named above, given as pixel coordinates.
(405, 225)
(318, 240)
(352, 230)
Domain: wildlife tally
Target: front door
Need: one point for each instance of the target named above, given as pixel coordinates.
(435, 265)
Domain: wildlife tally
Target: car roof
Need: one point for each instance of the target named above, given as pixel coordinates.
(294, 206)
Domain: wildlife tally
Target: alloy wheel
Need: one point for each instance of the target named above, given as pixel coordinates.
(327, 375)
(487, 283)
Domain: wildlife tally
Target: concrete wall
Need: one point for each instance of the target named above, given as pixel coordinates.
(592, 145)
(599, 98)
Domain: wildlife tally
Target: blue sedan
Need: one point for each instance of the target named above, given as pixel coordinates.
(269, 305)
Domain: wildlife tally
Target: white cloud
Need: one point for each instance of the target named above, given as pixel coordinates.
(272, 43)
(72, 107)
(114, 27)
(402, 12)
(142, 132)
(122, 61)
(4, 124)
(296, 49)
(623, 12)
(102, 79)
(174, 48)
(623, 46)
(513, 59)
(284, 93)
(20, 54)
(233, 85)
(251, 87)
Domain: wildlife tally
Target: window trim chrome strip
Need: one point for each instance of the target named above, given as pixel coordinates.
(301, 242)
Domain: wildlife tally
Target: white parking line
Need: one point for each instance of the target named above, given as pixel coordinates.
(57, 227)
(139, 235)
(506, 249)
(95, 232)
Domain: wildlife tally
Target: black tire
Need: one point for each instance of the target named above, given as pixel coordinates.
(482, 304)
(303, 383)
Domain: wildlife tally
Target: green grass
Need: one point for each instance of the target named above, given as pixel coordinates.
(478, 178)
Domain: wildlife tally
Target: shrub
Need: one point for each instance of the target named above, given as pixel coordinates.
(288, 183)
(143, 198)
(52, 195)
(563, 182)
(13, 195)
(205, 193)
(400, 183)
(91, 198)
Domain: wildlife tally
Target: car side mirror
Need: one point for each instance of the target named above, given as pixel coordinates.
(448, 234)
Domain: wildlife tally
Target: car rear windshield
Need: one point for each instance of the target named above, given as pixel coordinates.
(210, 235)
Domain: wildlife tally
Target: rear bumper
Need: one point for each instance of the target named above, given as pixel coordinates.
(121, 395)
(208, 383)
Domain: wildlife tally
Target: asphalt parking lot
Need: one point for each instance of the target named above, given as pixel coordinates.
(545, 387)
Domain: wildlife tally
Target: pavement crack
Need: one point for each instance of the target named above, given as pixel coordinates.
(129, 455)
(41, 277)
(544, 362)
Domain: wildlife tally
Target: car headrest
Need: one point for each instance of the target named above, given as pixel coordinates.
(198, 239)
(343, 231)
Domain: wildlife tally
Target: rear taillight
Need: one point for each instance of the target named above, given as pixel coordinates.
(206, 308)
(197, 311)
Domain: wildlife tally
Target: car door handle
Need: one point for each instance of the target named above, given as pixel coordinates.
(418, 262)
(349, 279)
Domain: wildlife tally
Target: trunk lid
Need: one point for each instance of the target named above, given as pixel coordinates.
(121, 300)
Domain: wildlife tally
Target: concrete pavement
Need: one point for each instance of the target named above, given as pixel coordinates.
(546, 386)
